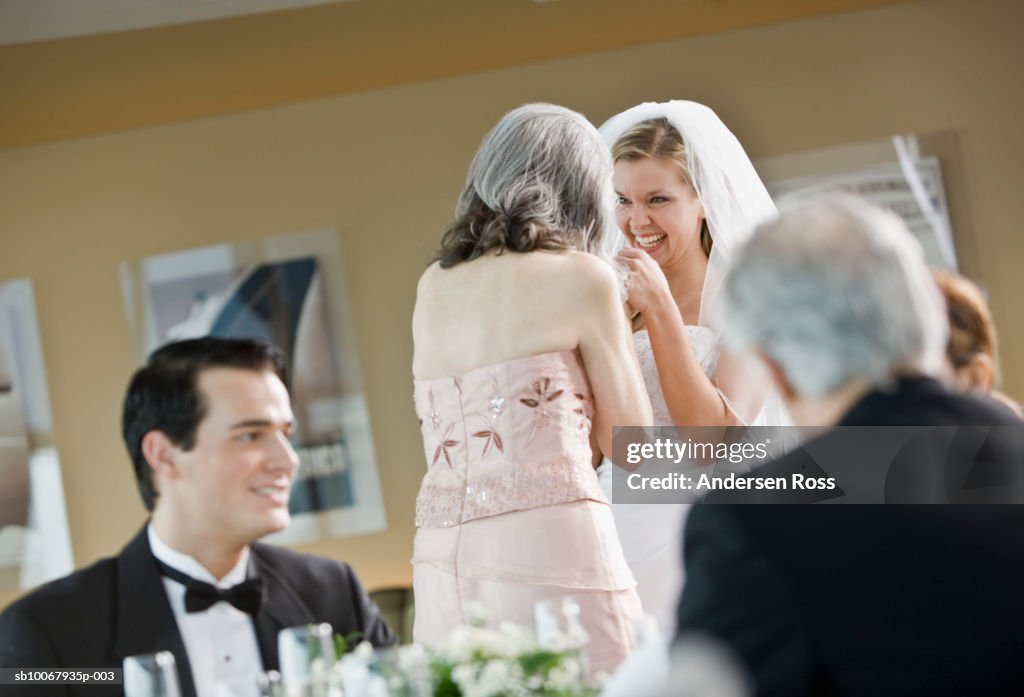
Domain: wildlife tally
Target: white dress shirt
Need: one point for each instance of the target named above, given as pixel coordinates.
(221, 640)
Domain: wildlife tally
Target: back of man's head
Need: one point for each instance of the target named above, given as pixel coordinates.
(835, 291)
(164, 394)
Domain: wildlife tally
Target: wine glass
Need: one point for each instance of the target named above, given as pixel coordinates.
(396, 671)
(269, 684)
(151, 675)
(307, 658)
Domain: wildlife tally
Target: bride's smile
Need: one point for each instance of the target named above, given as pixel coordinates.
(657, 209)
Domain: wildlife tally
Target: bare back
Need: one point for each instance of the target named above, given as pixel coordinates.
(502, 307)
(494, 309)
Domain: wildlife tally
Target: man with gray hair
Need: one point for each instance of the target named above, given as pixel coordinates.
(836, 300)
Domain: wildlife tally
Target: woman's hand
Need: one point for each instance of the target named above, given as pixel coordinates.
(646, 286)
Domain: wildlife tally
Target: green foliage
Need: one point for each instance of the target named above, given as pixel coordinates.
(445, 686)
(344, 644)
(536, 667)
(540, 662)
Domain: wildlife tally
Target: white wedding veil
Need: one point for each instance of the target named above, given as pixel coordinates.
(735, 201)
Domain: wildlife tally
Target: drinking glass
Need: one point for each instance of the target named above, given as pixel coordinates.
(306, 655)
(269, 684)
(388, 672)
(151, 675)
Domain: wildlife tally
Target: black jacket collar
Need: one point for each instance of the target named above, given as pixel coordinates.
(281, 607)
(145, 622)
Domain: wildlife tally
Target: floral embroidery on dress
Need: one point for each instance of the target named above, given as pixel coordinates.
(513, 437)
(490, 437)
(583, 423)
(489, 434)
(442, 448)
(496, 401)
(434, 415)
(537, 399)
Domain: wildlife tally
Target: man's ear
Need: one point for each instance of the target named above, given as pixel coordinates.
(159, 452)
(782, 384)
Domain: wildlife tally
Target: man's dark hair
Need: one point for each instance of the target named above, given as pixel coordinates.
(164, 394)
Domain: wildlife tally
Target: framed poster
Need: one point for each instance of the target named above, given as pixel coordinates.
(35, 545)
(892, 174)
(886, 186)
(290, 291)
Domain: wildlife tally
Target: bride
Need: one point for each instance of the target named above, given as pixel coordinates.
(687, 197)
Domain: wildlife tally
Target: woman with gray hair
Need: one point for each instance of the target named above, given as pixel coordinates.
(522, 365)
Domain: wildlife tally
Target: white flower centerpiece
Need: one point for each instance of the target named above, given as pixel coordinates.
(474, 661)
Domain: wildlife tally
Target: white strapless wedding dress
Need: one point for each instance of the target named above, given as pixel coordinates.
(652, 534)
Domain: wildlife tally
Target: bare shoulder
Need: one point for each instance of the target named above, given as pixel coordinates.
(427, 277)
(425, 298)
(574, 267)
(570, 281)
(590, 279)
(585, 262)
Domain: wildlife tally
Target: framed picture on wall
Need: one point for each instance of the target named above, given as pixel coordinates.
(290, 291)
(35, 545)
(906, 175)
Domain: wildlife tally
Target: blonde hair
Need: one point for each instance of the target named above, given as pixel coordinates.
(659, 139)
(971, 328)
(972, 338)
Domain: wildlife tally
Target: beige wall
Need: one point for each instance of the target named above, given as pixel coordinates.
(384, 167)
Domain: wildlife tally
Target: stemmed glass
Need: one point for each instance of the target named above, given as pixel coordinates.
(396, 671)
(151, 675)
(307, 658)
(269, 684)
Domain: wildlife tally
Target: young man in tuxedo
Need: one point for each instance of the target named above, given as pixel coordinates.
(873, 600)
(206, 422)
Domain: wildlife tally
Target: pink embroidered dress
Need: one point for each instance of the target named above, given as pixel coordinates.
(510, 511)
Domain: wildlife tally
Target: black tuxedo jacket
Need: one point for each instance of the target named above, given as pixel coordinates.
(117, 607)
(867, 599)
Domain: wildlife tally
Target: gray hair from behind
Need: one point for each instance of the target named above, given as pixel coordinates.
(541, 179)
(835, 290)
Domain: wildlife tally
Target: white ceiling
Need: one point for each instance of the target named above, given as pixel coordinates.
(22, 21)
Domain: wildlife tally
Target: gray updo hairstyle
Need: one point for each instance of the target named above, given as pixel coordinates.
(541, 180)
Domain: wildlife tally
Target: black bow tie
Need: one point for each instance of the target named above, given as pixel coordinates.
(199, 595)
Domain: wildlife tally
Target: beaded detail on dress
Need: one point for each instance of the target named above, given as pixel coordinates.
(505, 437)
(705, 347)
